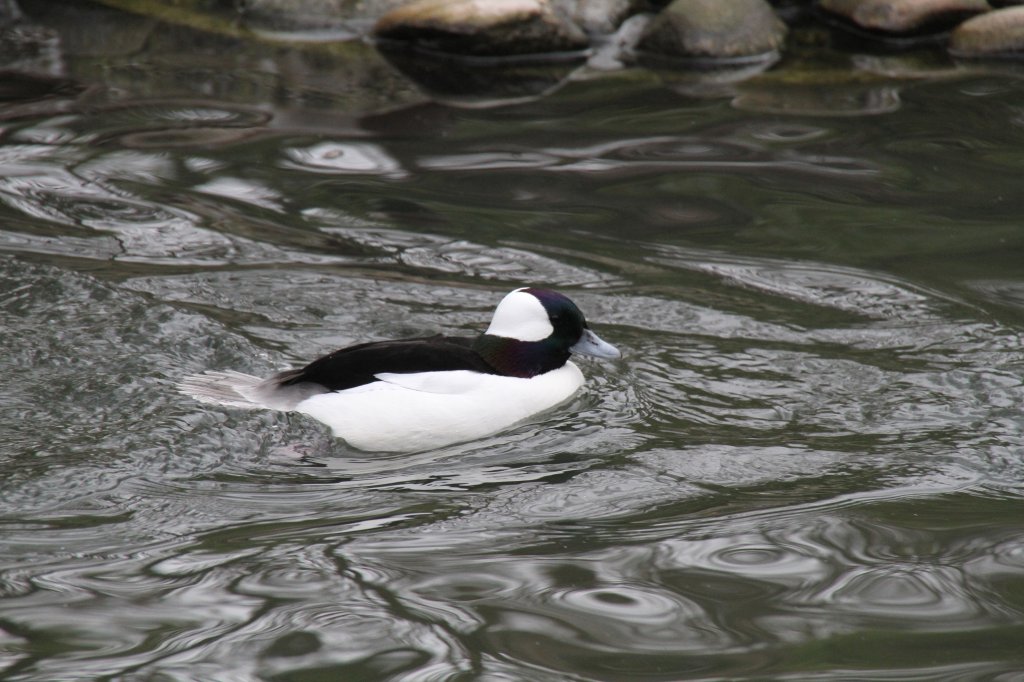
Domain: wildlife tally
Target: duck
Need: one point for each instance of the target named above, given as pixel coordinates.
(428, 392)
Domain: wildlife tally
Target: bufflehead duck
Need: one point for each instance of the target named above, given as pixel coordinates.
(424, 393)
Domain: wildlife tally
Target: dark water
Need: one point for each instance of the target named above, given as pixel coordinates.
(809, 464)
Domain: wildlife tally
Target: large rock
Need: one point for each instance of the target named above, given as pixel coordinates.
(481, 27)
(904, 16)
(715, 29)
(993, 34)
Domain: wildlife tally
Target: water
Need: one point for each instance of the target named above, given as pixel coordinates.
(808, 464)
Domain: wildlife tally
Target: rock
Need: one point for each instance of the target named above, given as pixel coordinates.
(286, 19)
(904, 16)
(86, 29)
(997, 33)
(715, 29)
(481, 27)
(603, 17)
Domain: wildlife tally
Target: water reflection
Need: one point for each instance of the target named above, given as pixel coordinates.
(650, 154)
(807, 465)
(332, 157)
(556, 546)
(818, 101)
(481, 82)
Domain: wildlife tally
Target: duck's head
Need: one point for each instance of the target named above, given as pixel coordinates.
(535, 330)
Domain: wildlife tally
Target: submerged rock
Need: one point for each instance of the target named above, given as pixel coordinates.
(997, 33)
(715, 30)
(481, 27)
(904, 16)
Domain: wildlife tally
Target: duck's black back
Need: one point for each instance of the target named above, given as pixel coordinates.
(357, 365)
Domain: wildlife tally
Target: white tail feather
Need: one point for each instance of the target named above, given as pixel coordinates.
(235, 389)
(223, 388)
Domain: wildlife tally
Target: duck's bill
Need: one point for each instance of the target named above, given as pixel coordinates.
(592, 344)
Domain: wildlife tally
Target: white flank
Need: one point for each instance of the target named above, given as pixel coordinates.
(428, 410)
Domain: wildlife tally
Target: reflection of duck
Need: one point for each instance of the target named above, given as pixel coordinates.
(422, 393)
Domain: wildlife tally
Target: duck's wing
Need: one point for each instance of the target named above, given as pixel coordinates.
(441, 383)
(366, 362)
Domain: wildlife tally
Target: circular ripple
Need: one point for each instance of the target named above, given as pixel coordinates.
(904, 592)
(138, 116)
(629, 603)
(748, 555)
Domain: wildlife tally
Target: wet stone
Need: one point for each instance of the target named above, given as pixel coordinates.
(481, 27)
(997, 33)
(904, 16)
(716, 30)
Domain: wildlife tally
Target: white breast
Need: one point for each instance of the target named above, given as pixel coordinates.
(406, 412)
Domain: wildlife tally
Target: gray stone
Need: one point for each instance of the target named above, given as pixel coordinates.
(481, 27)
(996, 33)
(715, 29)
(904, 16)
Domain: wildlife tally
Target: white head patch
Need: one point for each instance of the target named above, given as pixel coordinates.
(521, 316)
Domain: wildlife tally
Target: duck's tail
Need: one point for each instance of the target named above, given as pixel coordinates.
(235, 389)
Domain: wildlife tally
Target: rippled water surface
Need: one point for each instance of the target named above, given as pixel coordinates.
(808, 465)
